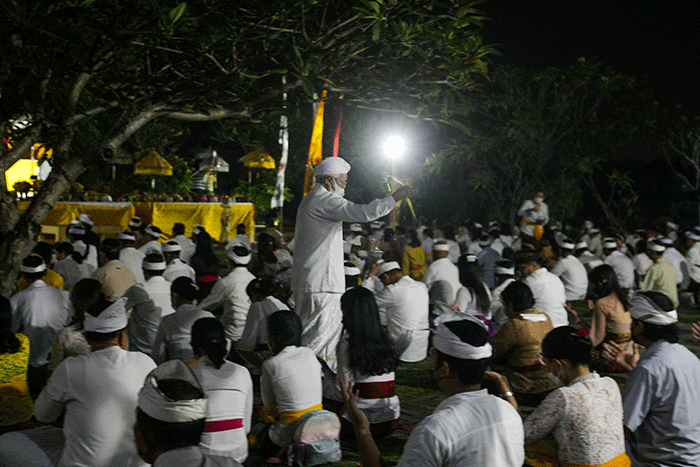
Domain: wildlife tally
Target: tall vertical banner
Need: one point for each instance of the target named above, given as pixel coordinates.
(316, 146)
(278, 197)
(336, 139)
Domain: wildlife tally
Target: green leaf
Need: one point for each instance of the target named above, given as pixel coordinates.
(177, 12)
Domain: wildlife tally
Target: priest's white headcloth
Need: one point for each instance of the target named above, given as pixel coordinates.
(332, 166)
(643, 308)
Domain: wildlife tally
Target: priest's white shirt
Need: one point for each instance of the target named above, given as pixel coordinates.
(405, 307)
(550, 295)
(624, 269)
(98, 393)
(468, 429)
(443, 270)
(318, 255)
(573, 274)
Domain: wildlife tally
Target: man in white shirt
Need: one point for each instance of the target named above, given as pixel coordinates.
(571, 271)
(403, 306)
(505, 275)
(535, 214)
(548, 289)
(678, 261)
(229, 292)
(587, 258)
(442, 269)
(318, 278)
(595, 243)
(471, 428)
(186, 244)
(129, 255)
(175, 266)
(39, 312)
(660, 398)
(97, 393)
(448, 234)
(149, 301)
(623, 266)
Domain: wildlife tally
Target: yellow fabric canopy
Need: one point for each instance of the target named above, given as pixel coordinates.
(153, 164)
(259, 159)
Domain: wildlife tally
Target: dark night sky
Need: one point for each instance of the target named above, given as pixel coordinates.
(658, 39)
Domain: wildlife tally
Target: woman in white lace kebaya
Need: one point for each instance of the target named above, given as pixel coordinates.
(585, 413)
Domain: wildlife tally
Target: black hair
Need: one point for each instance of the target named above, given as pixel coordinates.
(9, 343)
(205, 248)
(167, 436)
(185, 288)
(178, 228)
(43, 249)
(285, 327)
(263, 286)
(84, 294)
(469, 372)
(508, 254)
(469, 278)
(239, 250)
(448, 231)
(567, 343)
(655, 332)
(94, 310)
(209, 336)
(415, 242)
(110, 247)
(153, 257)
(370, 351)
(519, 295)
(240, 229)
(388, 234)
(428, 232)
(603, 281)
(65, 247)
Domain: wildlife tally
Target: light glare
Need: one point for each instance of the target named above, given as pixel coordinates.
(394, 147)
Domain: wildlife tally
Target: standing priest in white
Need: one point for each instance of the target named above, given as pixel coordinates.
(318, 278)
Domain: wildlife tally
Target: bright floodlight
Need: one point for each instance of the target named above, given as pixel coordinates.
(394, 146)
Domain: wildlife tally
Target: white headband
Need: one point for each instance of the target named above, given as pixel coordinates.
(84, 218)
(692, 236)
(609, 243)
(653, 246)
(197, 229)
(644, 309)
(76, 231)
(448, 343)
(151, 230)
(471, 258)
(242, 260)
(386, 267)
(352, 271)
(157, 405)
(567, 244)
(111, 319)
(441, 247)
(153, 266)
(581, 245)
(355, 228)
(29, 270)
(126, 237)
(80, 247)
(170, 247)
(331, 166)
(506, 271)
(485, 242)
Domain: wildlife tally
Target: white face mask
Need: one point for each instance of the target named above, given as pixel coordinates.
(539, 200)
(338, 190)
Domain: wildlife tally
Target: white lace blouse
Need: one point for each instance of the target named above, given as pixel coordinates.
(586, 417)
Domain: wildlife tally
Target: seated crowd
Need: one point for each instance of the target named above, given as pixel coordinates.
(135, 351)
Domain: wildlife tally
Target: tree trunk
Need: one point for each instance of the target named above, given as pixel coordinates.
(21, 230)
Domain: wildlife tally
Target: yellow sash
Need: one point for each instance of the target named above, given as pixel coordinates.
(539, 231)
(287, 418)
